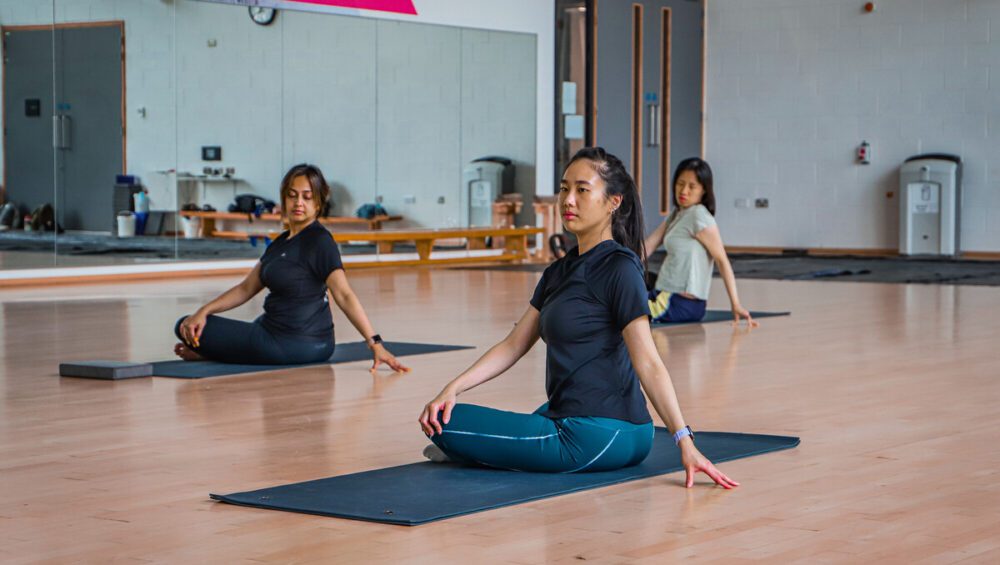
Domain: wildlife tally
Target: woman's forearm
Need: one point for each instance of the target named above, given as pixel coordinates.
(729, 279)
(660, 390)
(232, 298)
(655, 239)
(355, 313)
(494, 362)
(501, 356)
(652, 373)
(236, 296)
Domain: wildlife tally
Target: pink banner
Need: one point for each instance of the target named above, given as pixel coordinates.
(395, 6)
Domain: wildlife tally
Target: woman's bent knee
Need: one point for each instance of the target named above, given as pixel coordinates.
(177, 326)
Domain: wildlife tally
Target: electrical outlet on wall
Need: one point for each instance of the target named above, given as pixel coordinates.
(440, 199)
(743, 202)
(761, 203)
(409, 199)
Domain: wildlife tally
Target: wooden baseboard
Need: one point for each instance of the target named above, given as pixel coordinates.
(119, 277)
(859, 252)
(61, 280)
(756, 250)
(815, 251)
(982, 255)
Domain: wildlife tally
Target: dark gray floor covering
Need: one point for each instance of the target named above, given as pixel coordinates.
(921, 270)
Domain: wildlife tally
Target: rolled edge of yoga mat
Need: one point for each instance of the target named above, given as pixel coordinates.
(106, 370)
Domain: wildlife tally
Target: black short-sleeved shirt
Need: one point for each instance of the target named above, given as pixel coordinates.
(585, 302)
(295, 271)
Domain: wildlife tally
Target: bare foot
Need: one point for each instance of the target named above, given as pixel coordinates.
(435, 454)
(186, 353)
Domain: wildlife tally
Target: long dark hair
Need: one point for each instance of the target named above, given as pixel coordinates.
(626, 222)
(703, 173)
(320, 189)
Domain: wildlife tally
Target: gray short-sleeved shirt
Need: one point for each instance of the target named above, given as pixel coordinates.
(688, 266)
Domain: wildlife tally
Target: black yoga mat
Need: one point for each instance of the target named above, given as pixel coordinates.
(418, 493)
(721, 316)
(344, 352)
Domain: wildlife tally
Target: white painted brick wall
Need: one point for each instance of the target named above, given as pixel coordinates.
(330, 112)
(419, 90)
(795, 85)
(499, 121)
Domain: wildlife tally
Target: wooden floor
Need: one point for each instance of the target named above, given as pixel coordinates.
(894, 390)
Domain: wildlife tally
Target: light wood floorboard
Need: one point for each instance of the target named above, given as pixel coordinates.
(893, 389)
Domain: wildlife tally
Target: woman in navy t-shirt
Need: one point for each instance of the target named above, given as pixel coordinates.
(590, 308)
(298, 268)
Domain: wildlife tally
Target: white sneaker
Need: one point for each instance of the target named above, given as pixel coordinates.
(435, 455)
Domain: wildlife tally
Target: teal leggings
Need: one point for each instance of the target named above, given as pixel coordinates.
(534, 443)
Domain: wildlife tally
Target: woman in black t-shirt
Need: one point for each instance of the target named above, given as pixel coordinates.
(299, 268)
(590, 308)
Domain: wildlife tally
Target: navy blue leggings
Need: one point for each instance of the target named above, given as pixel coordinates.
(233, 341)
(675, 307)
(535, 443)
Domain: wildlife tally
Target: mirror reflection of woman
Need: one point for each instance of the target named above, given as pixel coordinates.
(693, 244)
(301, 268)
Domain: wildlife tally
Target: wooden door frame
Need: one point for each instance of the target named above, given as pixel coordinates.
(590, 98)
(666, 55)
(637, 15)
(120, 24)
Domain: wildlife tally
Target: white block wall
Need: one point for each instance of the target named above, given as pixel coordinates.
(382, 106)
(795, 85)
(495, 111)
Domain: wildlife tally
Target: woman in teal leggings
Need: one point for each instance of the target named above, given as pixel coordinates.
(590, 307)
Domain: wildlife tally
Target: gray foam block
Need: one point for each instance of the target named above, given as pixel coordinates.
(108, 370)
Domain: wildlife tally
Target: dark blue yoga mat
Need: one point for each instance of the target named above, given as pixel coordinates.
(344, 352)
(721, 316)
(418, 493)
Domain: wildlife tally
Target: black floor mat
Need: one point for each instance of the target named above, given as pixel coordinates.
(834, 268)
(868, 269)
(419, 493)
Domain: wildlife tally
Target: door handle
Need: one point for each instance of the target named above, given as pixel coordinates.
(61, 131)
(653, 115)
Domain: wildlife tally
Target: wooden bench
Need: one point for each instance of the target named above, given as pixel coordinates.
(515, 243)
(210, 229)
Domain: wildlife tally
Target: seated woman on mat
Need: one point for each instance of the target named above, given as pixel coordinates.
(590, 308)
(298, 268)
(692, 241)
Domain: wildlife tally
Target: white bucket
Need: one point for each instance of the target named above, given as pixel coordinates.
(192, 227)
(126, 224)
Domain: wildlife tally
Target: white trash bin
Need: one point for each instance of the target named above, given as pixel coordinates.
(191, 226)
(930, 205)
(126, 224)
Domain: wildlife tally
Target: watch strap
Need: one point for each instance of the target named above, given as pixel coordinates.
(683, 433)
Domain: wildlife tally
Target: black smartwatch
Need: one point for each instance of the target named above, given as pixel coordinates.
(376, 339)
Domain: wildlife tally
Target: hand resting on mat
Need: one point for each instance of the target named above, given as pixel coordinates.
(381, 355)
(740, 312)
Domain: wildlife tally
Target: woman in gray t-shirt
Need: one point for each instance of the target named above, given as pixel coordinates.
(693, 244)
